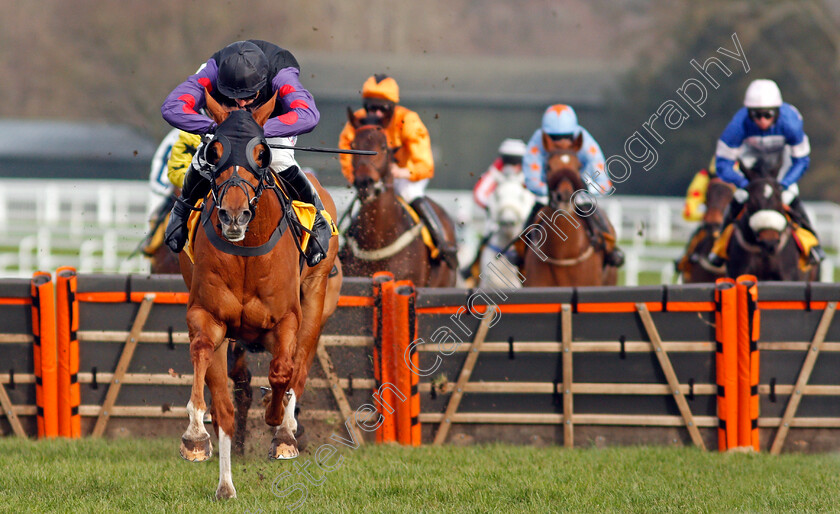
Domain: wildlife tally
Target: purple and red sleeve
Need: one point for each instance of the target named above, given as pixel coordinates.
(181, 107)
(300, 115)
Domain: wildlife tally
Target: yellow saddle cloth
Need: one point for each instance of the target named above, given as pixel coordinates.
(424, 231)
(156, 239)
(805, 240)
(305, 213)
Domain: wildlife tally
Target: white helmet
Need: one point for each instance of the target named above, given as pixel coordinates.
(513, 147)
(763, 94)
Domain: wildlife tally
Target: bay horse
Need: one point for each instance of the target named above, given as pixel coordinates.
(162, 260)
(383, 236)
(567, 255)
(695, 266)
(250, 283)
(508, 208)
(762, 242)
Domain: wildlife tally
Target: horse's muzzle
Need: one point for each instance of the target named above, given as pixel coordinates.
(366, 188)
(234, 226)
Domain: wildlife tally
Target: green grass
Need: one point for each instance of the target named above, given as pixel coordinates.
(146, 475)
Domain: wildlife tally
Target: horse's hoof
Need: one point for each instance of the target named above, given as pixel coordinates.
(225, 492)
(283, 450)
(198, 450)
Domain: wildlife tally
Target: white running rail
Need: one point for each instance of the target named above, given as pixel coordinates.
(95, 224)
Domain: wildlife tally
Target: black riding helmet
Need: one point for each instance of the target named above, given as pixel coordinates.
(243, 70)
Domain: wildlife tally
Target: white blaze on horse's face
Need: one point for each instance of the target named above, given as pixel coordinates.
(768, 191)
(565, 159)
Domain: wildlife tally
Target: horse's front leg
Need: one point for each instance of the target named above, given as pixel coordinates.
(281, 409)
(206, 333)
(217, 378)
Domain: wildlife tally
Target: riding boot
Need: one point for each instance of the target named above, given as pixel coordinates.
(801, 217)
(319, 243)
(447, 250)
(195, 187)
(601, 228)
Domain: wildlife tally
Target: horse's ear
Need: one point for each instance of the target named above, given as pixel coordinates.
(216, 111)
(351, 118)
(262, 114)
(547, 142)
(578, 144)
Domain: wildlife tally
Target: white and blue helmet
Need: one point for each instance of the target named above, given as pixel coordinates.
(560, 119)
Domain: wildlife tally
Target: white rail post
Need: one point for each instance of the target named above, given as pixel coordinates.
(109, 251)
(52, 205)
(87, 256)
(105, 206)
(662, 223)
(4, 214)
(827, 270)
(614, 214)
(25, 248)
(631, 268)
(44, 249)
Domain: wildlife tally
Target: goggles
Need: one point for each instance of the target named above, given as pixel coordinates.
(757, 114)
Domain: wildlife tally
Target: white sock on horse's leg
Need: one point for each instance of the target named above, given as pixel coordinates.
(225, 489)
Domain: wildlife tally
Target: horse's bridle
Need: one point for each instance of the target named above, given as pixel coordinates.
(378, 186)
(238, 140)
(553, 196)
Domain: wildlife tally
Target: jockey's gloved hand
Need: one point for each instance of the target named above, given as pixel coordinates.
(741, 195)
(788, 196)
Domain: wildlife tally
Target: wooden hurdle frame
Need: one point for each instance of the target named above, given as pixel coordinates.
(138, 334)
(392, 338)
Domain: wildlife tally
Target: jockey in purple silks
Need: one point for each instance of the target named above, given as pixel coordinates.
(245, 75)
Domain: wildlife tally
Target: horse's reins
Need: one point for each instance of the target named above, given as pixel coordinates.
(590, 250)
(755, 248)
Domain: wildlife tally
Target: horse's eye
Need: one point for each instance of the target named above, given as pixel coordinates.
(213, 155)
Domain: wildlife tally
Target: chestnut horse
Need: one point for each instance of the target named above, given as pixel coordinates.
(695, 266)
(565, 255)
(383, 236)
(248, 282)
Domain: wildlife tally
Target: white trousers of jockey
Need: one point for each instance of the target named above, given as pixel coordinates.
(560, 120)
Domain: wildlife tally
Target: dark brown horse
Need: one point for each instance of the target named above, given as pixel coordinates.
(161, 259)
(695, 266)
(762, 242)
(383, 236)
(249, 283)
(564, 254)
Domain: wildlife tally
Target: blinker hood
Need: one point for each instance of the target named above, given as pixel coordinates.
(238, 135)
